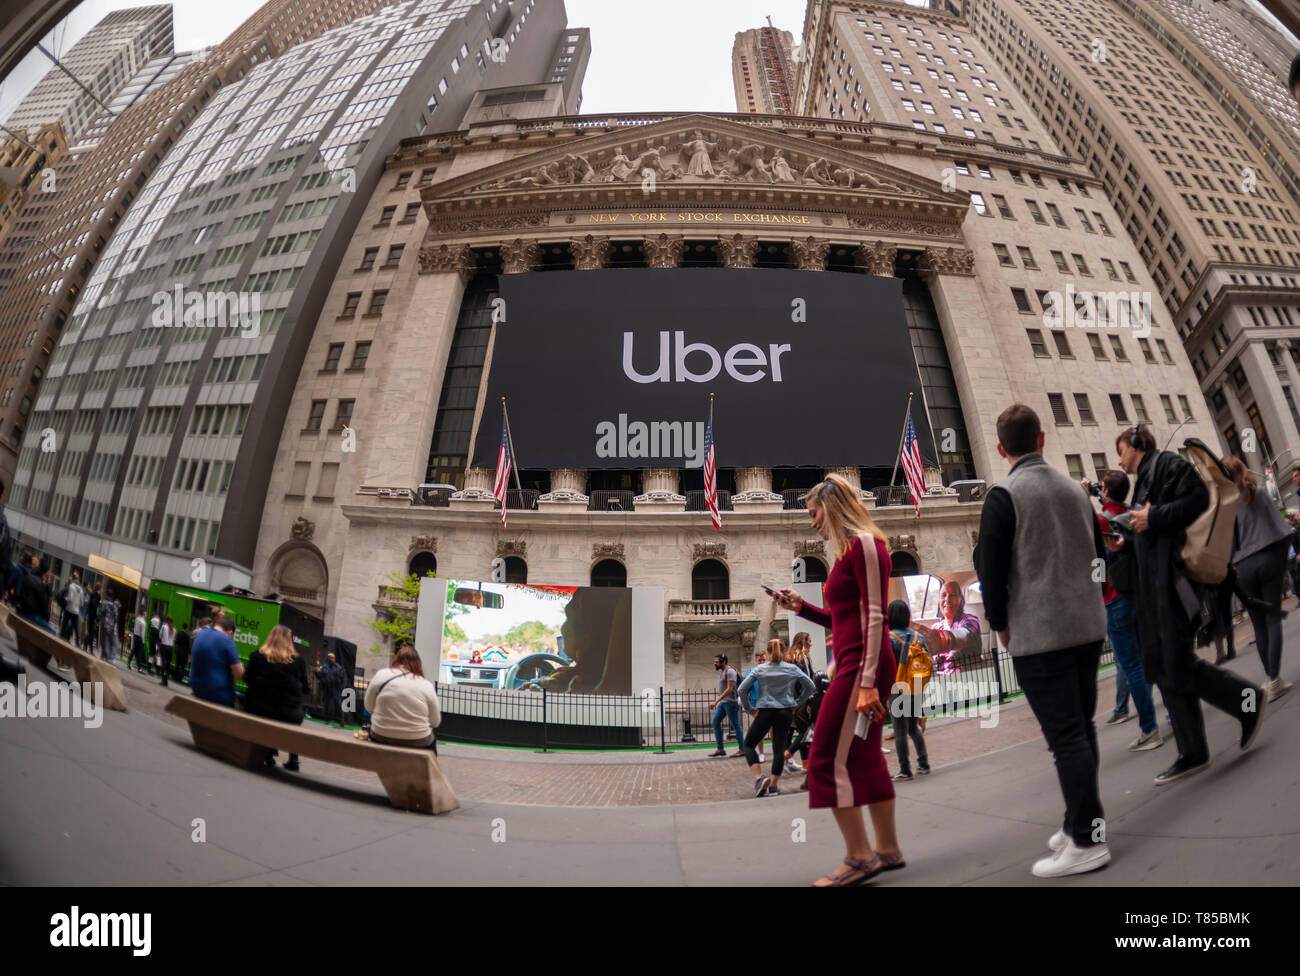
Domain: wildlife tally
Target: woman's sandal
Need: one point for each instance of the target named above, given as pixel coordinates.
(891, 862)
(845, 879)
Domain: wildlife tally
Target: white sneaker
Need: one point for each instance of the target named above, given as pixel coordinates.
(796, 765)
(762, 758)
(1072, 859)
(1276, 688)
(1058, 840)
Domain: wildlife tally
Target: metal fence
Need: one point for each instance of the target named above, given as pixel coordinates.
(659, 717)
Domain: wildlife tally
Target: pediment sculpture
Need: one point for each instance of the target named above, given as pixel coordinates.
(699, 157)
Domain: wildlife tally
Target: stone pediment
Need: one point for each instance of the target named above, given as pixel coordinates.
(710, 155)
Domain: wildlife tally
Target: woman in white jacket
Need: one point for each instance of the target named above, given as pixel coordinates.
(403, 704)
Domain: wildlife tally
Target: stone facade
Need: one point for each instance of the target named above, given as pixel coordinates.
(822, 187)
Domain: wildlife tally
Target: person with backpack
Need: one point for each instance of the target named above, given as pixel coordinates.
(1118, 593)
(1260, 558)
(905, 709)
(1168, 497)
(782, 687)
(725, 704)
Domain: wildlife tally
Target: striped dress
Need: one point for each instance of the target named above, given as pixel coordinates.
(844, 770)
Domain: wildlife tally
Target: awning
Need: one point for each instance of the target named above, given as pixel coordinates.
(114, 570)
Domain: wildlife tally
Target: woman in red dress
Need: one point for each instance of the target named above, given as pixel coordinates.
(847, 771)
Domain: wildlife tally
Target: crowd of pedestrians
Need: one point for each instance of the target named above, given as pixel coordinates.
(1040, 543)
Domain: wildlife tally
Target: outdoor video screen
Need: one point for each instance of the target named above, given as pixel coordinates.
(520, 637)
(613, 369)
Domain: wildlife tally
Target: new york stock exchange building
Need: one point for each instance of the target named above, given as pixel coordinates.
(610, 277)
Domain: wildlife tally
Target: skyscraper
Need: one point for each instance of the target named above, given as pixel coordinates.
(102, 63)
(151, 396)
(1186, 128)
(761, 71)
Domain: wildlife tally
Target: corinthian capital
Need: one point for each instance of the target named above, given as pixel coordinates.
(948, 261)
(519, 256)
(664, 251)
(810, 253)
(737, 251)
(445, 258)
(590, 253)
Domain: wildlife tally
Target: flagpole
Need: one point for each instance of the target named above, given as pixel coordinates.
(938, 460)
(510, 440)
(901, 437)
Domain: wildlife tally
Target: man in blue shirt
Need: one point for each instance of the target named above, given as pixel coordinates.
(214, 663)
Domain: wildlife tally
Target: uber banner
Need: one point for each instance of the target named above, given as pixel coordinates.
(613, 369)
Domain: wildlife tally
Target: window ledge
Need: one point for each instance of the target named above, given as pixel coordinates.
(295, 494)
(322, 498)
(372, 315)
(310, 430)
(355, 369)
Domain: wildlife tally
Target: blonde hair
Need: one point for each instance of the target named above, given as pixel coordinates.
(845, 516)
(1243, 476)
(799, 647)
(776, 650)
(278, 648)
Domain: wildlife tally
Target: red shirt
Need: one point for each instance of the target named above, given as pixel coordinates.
(1108, 592)
(855, 590)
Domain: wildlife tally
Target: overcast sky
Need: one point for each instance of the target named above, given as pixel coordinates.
(668, 55)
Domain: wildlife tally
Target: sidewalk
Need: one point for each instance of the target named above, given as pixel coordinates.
(118, 805)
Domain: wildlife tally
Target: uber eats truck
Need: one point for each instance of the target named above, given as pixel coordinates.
(254, 618)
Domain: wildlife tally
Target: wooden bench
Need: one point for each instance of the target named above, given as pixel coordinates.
(411, 777)
(38, 645)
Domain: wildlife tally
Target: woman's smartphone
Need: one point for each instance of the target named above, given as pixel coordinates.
(768, 590)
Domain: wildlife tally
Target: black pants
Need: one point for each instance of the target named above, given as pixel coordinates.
(137, 651)
(165, 656)
(182, 665)
(333, 707)
(1260, 575)
(1061, 688)
(1218, 686)
(778, 721)
(905, 712)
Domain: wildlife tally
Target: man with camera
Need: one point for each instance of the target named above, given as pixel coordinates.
(1118, 592)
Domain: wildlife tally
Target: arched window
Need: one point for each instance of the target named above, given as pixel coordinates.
(814, 569)
(424, 564)
(609, 572)
(903, 564)
(516, 570)
(710, 581)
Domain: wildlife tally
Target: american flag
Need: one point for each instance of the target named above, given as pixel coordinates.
(711, 474)
(503, 468)
(912, 463)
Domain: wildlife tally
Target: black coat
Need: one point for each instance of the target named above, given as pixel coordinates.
(1165, 632)
(275, 690)
(33, 596)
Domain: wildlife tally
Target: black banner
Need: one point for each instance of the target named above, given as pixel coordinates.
(613, 369)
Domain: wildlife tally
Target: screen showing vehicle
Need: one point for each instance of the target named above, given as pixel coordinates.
(515, 637)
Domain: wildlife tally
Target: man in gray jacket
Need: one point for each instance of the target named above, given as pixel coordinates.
(1040, 574)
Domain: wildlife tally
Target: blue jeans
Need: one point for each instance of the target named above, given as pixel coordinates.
(1121, 625)
(730, 709)
(41, 622)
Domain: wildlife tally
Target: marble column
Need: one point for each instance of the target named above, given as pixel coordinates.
(567, 494)
(983, 384)
(754, 491)
(477, 492)
(659, 491)
(1293, 380)
(1238, 412)
(1264, 382)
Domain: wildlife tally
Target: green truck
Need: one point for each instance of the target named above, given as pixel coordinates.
(254, 618)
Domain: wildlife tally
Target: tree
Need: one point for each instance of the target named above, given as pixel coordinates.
(452, 631)
(533, 634)
(396, 623)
